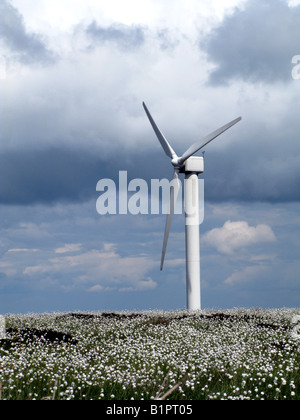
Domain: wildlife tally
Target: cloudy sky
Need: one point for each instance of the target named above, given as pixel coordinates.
(73, 75)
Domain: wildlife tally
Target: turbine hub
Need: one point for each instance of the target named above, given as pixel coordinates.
(175, 161)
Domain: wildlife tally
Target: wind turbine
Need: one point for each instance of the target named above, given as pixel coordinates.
(191, 166)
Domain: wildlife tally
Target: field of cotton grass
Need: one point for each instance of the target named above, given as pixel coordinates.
(209, 355)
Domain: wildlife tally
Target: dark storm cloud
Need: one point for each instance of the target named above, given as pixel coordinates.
(27, 48)
(46, 176)
(124, 36)
(245, 179)
(63, 175)
(255, 43)
(251, 171)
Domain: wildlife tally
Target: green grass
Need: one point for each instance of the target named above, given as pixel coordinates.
(233, 354)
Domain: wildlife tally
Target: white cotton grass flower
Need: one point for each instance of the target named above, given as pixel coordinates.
(296, 327)
(236, 354)
(2, 328)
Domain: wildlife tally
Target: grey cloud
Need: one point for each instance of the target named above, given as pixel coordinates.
(27, 48)
(252, 174)
(167, 39)
(124, 36)
(46, 176)
(62, 175)
(255, 43)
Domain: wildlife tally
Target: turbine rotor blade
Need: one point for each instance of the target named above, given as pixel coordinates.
(163, 141)
(173, 197)
(203, 142)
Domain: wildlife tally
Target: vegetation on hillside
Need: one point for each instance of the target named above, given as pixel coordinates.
(234, 354)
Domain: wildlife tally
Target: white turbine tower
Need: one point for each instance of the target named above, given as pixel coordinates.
(191, 166)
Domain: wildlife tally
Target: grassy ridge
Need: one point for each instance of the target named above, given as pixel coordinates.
(233, 354)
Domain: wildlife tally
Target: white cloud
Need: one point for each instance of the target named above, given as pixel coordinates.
(293, 3)
(48, 16)
(97, 270)
(68, 248)
(235, 235)
(246, 274)
(23, 250)
(99, 288)
(146, 284)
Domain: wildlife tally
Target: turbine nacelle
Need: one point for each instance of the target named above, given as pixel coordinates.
(194, 164)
